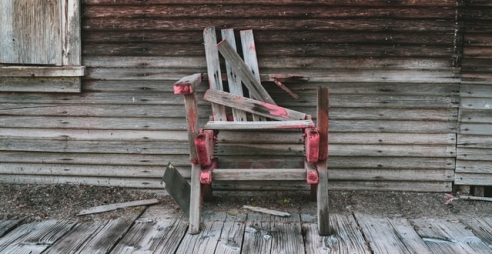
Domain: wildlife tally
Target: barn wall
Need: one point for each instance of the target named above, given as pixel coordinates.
(474, 161)
(391, 65)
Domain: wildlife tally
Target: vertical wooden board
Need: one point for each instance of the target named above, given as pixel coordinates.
(250, 58)
(481, 227)
(206, 241)
(158, 230)
(234, 81)
(383, 237)
(444, 236)
(257, 234)
(322, 166)
(346, 236)
(34, 237)
(213, 70)
(286, 234)
(76, 238)
(28, 36)
(108, 236)
(7, 225)
(231, 238)
(72, 46)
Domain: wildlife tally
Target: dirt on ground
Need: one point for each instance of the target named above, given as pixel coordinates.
(63, 201)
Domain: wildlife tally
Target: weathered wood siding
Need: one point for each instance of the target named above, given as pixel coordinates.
(391, 67)
(474, 161)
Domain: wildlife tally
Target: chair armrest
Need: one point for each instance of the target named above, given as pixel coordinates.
(188, 84)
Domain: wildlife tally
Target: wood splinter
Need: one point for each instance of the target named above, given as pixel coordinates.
(267, 211)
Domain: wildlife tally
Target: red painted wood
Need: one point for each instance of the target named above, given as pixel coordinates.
(206, 172)
(311, 143)
(183, 89)
(312, 177)
(204, 144)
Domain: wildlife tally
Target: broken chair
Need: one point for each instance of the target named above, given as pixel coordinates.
(259, 112)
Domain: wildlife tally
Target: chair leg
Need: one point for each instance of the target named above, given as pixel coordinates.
(322, 200)
(195, 200)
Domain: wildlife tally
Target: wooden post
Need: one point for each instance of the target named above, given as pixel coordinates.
(322, 191)
(187, 86)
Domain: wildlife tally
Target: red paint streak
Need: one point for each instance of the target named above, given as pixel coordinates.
(183, 89)
(206, 177)
(252, 46)
(275, 110)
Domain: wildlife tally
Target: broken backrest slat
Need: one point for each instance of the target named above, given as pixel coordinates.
(254, 86)
(250, 59)
(213, 70)
(252, 106)
(234, 81)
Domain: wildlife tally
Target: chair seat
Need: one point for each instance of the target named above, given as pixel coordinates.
(226, 125)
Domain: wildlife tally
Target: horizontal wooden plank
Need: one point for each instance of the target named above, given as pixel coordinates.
(264, 24)
(473, 179)
(233, 10)
(474, 141)
(178, 124)
(177, 111)
(95, 146)
(101, 135)
(293, 124)
(340, 150)
(475, 116)
(273, 174)
(479, 167)
(95, 110)
(391, 175)
(443, 3)
(41, 71)
(275, 36)
(475, 128)
(276, 49)
(420, 186)
(41, 84)
(148, 183)
(484, 103)
(474, 154)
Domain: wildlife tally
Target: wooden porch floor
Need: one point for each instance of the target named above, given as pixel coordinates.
(161, 229)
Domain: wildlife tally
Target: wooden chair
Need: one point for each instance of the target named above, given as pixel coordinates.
(256, 113)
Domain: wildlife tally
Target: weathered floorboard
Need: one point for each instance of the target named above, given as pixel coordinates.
(286, 234)
(481, 227)
(444, 236)
(387, 235)
(231, 238)
(207, 239)
(158, 230)
(34, 237)
(257, 234)
(109, 234)
(346, 236)
(7, 225)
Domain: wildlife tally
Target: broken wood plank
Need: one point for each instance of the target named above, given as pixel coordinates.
(213, 70)
(464, 197)
(250, 59)
(34, 237)
(112, 207)
(233, 80)
(267, 211)
(178, 188)
(444, 236)
(293, 124)
(159, 230)
(390, 235)
(346, 236)
(252, 106)
(254, 87)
